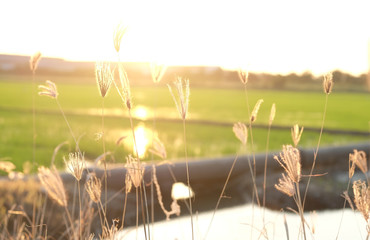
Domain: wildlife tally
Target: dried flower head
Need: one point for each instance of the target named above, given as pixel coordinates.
(104, 77)
(158, 148)
(328, 83)
(359, 158)
(135, 170)
(53, 184)
(241, 132)
(93, 188)
(272, 114)
(75, 164)
(296, 134)
(125, 85)
(290, 160)
(243, 75)
(117, 36)
(7, 166)
(34, 61)
(255, 110)
(181, 191)
(362, 198)
(182, 102)
(50, 89)
(158, 71)
(286, 186)
(128, 183)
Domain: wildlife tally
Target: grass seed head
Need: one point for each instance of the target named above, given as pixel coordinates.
(117, 36)
(243, 76)
(241, 132)
(272, 114)
(285, 185)
(359, 158)
(362, 198)
(50, 89)
(53, 184)
(104, 77)
(157, 71)
(75, 164)
(296, 134)
(158, 149)
(290, 160)
(182, 101)
(328, 83)
(34, 61)
(93, 188)
(255, 110)
(125, 85)
(135, 170)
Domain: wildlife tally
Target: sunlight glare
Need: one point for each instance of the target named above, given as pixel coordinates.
(140, 112)
(143, 138)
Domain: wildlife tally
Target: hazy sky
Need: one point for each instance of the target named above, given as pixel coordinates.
(272, 36)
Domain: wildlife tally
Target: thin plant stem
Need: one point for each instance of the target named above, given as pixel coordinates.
(137, 212)
(33, 120)
(79, 201)
(124, 211)
(344, 206)
(188, 179)
(69, 126)
(316, 152)
(221, 195)
(69, 219)
(104, 158)
(300, 209)
(264, 174)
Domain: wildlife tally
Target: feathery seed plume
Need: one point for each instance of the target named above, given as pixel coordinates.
(104, 77)
(117, 36)
(75, 165)
(290, 160)
(359, 158)
(50, 90)
(362, 198)
(157, 71)
(7, 166)
(93, 188)
(243, 75)
(241, 132)
(272, 114)
(296, 134)
(255, 110)
(182, 103)
(286, 186)
(34, 61)
(158, 148)
(328, 83)
(125, 84)
(135, 170)
(53, 184)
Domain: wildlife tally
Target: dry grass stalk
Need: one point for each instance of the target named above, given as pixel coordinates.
(272, 114)
(362, 198)
(296, 134)
(157, 71)
(34, 61)
(117, 36)
(125, 85)
(7, 166)
(290, 160)
(158, 149)
(104, 77)
(93, 188)
(359, 159)
(182, 102)
(243, 76)
(286, 186)
(255, 110)
(345, 195)
(328, 83)
(110, 232)
(53, 184)
(135, 170)
(50, 90)
(241, 132)
(75, 164)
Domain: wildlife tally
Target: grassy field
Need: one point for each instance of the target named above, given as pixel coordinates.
(82, 105)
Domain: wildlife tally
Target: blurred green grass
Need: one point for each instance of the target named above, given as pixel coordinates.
(82, 105)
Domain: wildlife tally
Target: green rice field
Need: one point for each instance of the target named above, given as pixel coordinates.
(212, 112)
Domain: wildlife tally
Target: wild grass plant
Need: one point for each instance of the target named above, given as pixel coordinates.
(90, 196)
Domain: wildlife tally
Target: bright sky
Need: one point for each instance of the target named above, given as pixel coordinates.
(270, 36)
